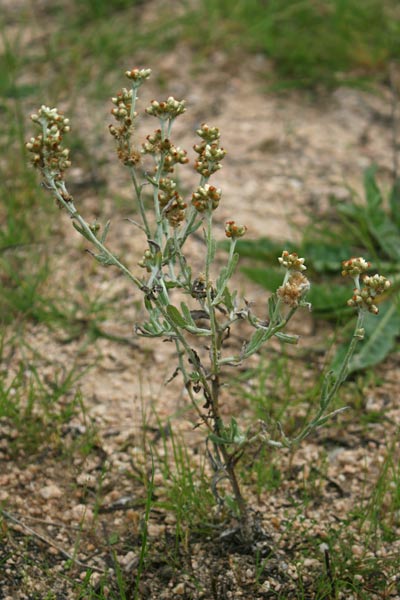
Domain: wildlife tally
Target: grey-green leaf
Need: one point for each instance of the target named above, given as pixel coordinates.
(105, 232)
(187, 315)
(176, 316)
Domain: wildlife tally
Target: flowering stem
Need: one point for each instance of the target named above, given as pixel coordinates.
(329, 392)
(215, 382)
(343, 371)
(138, 191)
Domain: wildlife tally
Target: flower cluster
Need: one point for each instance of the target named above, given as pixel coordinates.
(355, 266)
(209, 151)
(171, 201)
(124, 115)
(232, 230)
(206, 197)
(138, 76)
(365, 294)
(294, 289)
(365, 298)
(49, 156)
(292, 262)
(172, 155)
(174, 211)
(168, 109)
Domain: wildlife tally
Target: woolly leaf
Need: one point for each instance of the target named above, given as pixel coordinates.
(225, 274)
(286, 338)
(187, 314)
(105, 232)
(176, 316)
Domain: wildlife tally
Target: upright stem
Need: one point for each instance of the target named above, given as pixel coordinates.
(326, 400)
(215, 350)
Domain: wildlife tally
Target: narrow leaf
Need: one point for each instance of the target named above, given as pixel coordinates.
(187, 314)
(104, 260)
(255, 342)
(286, 338)
(105, 232)
(176, 316)
(218, 440)
(228, 300)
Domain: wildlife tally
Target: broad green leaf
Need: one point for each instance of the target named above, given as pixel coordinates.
(385, 232)
(323, 257)
(269, 278)
(372, 191)
(388, 237)
(261, 249)
(394, 202)
(380, 335)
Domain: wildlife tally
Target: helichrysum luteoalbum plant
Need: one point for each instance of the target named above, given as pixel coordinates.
(183, 301)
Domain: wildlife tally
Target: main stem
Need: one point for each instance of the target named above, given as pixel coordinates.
(215, 350)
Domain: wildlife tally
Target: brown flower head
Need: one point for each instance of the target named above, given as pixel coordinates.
(294, 289)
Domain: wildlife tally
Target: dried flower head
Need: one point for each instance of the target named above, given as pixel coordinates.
(168, 109)
(138, 76)
(232, 230)
(175, 211)
(208, 134)
(209, 151)
(124, 115)
(206, 197)
(294, 289)
(365, 298)
(49, 156)
(355, 266)
(172, 155)
(291, 261)
(376, 284)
